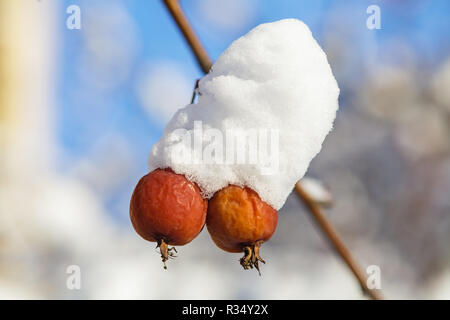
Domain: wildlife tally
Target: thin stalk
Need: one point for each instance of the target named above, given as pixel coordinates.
(336, 240)
(189, 35)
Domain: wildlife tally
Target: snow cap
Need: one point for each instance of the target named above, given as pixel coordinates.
(263, 113)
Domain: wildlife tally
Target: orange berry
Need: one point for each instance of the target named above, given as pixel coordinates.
(168, 209)
(239, 221)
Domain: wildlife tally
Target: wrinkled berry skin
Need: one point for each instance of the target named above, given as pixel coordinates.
(237, 217)
(166, 206)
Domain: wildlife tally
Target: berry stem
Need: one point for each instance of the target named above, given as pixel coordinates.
(166, 252)
(251, 256)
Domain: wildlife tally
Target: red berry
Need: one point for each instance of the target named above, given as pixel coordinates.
(168, 209)
(239, 221)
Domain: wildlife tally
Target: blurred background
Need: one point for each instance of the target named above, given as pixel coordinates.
(81, 108)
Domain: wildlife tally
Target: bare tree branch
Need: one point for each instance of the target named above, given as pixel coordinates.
(194, 43)
(336, 240)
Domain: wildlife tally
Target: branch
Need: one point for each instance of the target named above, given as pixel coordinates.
(336, 240)
(189, 35)
(205, 63)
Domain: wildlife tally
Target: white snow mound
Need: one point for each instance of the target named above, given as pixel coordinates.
(275, 81)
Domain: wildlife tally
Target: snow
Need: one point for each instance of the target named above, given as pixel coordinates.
(317, 191)
(276, 82)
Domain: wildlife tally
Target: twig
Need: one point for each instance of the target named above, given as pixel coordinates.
(336, 240)
(183, 24)
(329, 231)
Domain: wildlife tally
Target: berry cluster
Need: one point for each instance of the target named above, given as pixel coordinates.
(168, 209)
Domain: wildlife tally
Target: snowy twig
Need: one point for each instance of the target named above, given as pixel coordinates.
(314, 208)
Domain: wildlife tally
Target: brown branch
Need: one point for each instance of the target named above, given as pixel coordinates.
(189, 35)
(336, 240)
(329, 231)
